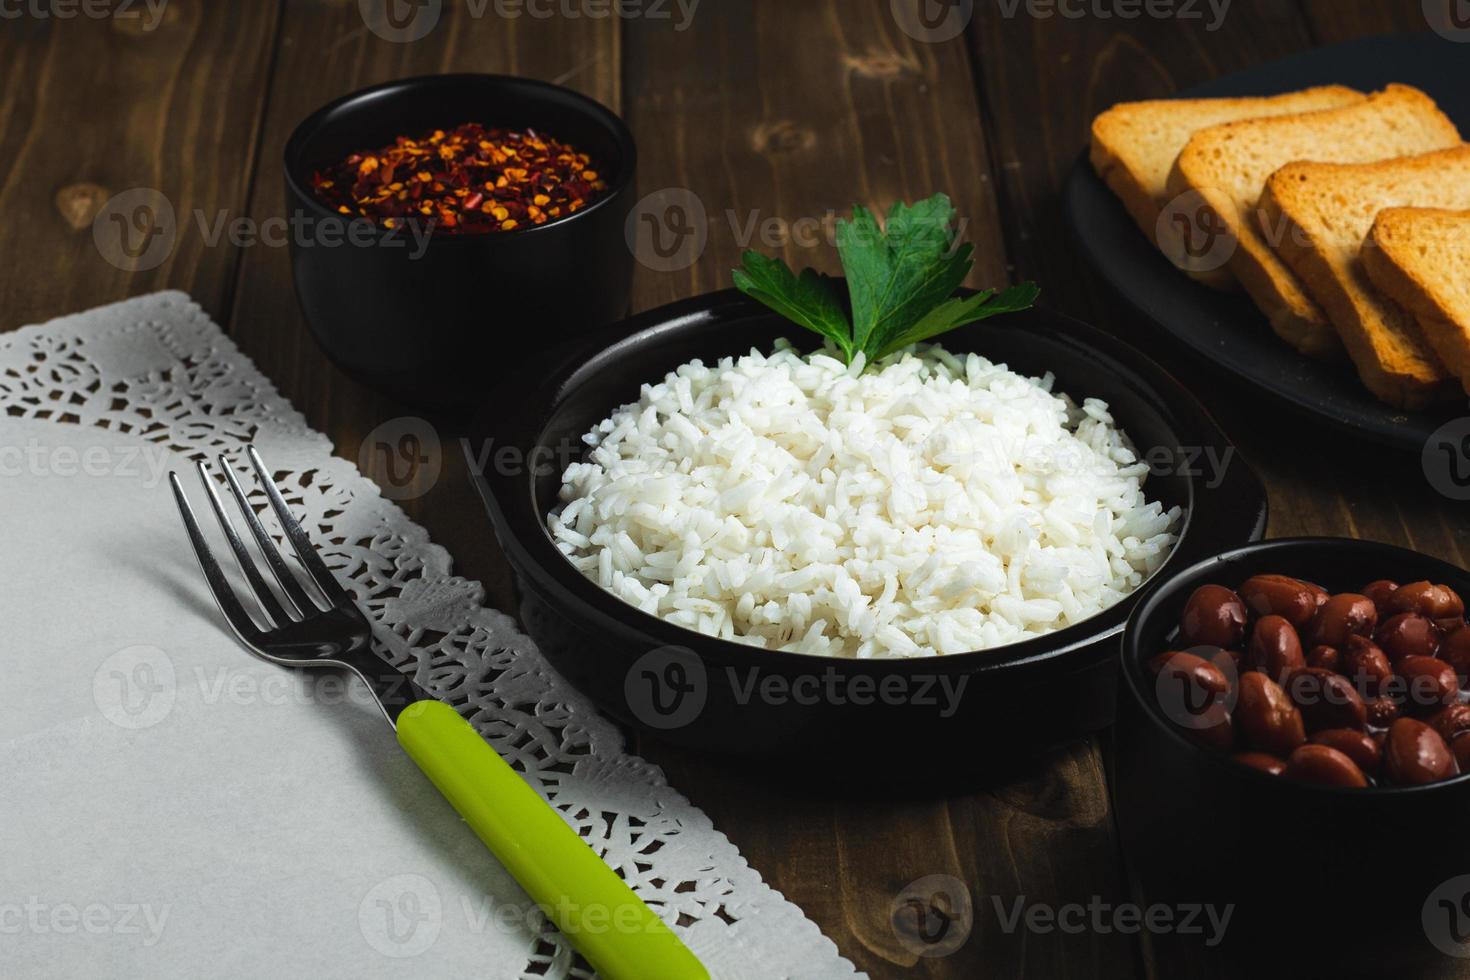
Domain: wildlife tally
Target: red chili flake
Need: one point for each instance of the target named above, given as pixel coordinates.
(465, 181)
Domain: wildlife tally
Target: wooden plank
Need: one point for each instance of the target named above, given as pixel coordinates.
(327, 50)
(793, 111)
(94, 107)
(1338, 21)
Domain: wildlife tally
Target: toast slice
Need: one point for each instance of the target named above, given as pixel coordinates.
(1321, 214)
(1420, 258)
(1227, 167)
(1134, 145)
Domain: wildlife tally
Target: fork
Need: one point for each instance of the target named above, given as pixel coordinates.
(600, 915)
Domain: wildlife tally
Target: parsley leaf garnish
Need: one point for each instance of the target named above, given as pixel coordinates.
(901, 280)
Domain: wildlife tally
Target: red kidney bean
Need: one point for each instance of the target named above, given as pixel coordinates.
(1460, 748)
(1382, 712)
(1264, 761)
(1408, 635)
(1428, 600)
(1280, 595)
(1415, 754)
(1429, 683)
(1342, 616)
(1213, 728)
(1326, 658)
(1214, 616)
(1361, 747)
(1379, 592)
(1456, 652)
(1324, 766)
(1203, 678)
(1228, 661)
(1326, 700)
(1451, 722)
(1275, 649)
(1267, 718)
(1366, 665)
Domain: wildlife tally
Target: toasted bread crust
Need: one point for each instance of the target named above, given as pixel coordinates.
(1396, 264)
(1139, 178)
(1311, 206)
(1123, 181)
(1205, 165)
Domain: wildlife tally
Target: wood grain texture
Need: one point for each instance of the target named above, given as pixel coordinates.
(758, 121)
(93, 107)
(772, 115)
(1343, 20)
(326, 50)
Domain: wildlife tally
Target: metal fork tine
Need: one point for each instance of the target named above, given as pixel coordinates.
(274, 613)
(219, 585)
(300, 543)
(295, 594)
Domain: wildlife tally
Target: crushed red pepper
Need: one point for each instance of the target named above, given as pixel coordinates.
(464, 181)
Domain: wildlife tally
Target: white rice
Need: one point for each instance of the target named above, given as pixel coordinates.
(933, 505)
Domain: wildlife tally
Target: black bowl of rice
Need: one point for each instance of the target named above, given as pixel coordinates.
(751, 548)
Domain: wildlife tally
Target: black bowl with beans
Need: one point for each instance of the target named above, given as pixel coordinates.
(1292, 731)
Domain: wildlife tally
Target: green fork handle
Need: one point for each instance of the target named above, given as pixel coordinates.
(598, 913)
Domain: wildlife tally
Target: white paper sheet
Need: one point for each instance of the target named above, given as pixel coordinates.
(172, 806)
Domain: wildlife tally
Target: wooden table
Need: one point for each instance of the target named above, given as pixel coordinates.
(784, 109)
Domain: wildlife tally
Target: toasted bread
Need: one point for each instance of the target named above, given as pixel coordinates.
(1420, 258)
(1134, 145)
(1321, 214)
(1227, 167)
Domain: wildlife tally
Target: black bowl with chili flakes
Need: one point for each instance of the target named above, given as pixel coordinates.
(448, 229)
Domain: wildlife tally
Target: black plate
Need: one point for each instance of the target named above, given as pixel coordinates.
(1227, 328)
(618, 655)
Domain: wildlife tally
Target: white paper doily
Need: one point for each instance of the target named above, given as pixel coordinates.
(156, 369)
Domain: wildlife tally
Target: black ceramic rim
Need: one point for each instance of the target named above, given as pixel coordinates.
(1217, 517)
(307, 129)
(1209, 571)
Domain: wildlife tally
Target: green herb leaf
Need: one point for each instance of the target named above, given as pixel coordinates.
(896, 275)
(956, 313)
(901, 279)
(808, 300)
